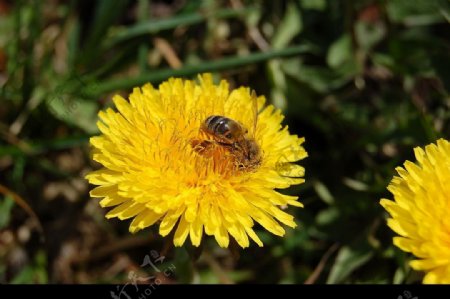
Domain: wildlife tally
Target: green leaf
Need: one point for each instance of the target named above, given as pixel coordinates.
(278, 82)
(399, 276)
(441, 64)
(314, 4)
(18, 170)
(2, 272)
(328, 216)
(340, 51)
(444, 9)
(240, 275)
(290, 26)
(206, 277)
(323, 192)
(368, 34)
(409, 56)
(6, 205)
(75, 111)
(320, 79)
(184, 269)
(348, 260)
(33, 273)
(415, 13)
(24, 276)
(355, 184)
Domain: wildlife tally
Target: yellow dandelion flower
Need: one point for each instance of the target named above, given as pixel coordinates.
(160, 166)
(420, 212)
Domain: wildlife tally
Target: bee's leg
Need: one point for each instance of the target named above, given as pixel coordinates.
(226, 145)
(201, 146)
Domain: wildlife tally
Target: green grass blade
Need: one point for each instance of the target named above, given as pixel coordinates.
(189, 70)
(155, 26)
(40, 147)
(143, 17)
(106, 14)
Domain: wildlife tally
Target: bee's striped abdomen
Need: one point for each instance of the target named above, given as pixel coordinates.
(217, 125)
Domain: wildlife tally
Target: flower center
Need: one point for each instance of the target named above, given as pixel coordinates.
(225, 159)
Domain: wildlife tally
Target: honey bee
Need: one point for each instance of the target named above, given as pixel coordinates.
(234, 136)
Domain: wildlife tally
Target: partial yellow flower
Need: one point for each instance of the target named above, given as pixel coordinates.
(153, 172)
(420, 212)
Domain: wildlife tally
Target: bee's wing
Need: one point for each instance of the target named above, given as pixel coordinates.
(255, 111)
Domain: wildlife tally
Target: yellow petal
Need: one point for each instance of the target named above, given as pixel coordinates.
(104, 177)
(268, 223)
(182, 232)
(437, 276)
(103, 191)
(295, 203)
(113, 201)
(238, 234)
(143, 220)
(124, 210)
(123, 107)
(282, 216)
(427, 264)
(253, 236)
(169, 221)
(222, 237)
(196, 232)
(406, 244)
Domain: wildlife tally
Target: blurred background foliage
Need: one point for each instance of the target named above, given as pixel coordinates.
(364, 81)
